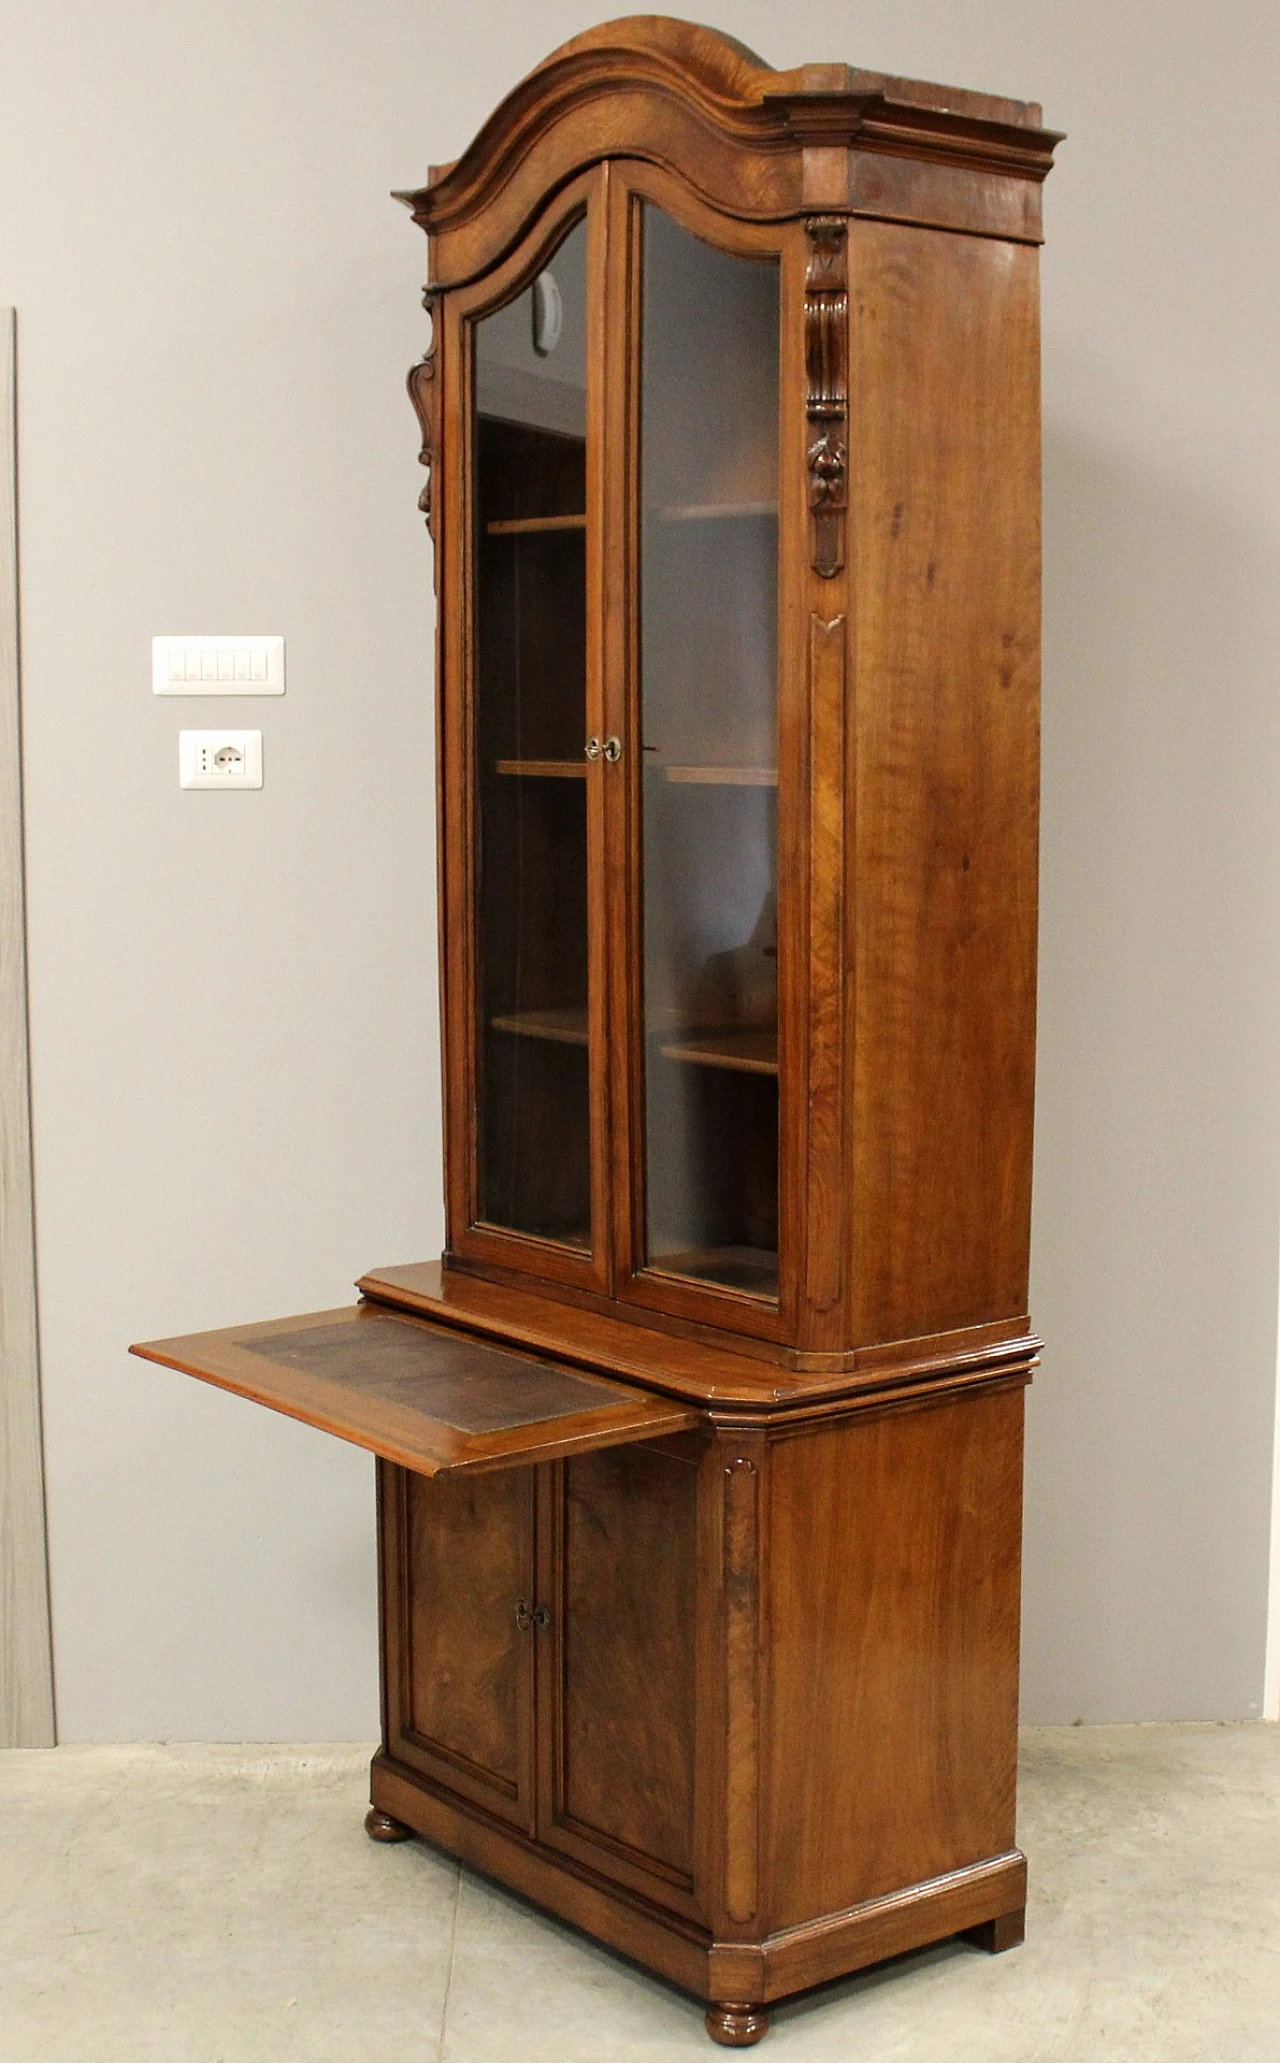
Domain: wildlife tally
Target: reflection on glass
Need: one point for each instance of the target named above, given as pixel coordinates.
(533, 1121)
(708, 658)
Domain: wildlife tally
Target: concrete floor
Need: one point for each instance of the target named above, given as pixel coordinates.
(216, 1905)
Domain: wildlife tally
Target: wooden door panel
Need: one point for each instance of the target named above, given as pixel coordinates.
(619, 1710)
(466, 1681)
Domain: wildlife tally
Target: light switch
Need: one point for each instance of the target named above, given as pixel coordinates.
(217, 666)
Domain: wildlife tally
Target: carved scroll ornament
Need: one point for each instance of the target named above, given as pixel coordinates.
(826, 354)
(424, 394)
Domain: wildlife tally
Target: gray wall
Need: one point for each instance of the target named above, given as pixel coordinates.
(233, 1001)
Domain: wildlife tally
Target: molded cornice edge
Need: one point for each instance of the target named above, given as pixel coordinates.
(737, 97)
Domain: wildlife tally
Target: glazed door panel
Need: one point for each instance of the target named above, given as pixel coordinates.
(707, 681)
(458, 1602)
(617, 1706)
(708, 693)
(522, 800)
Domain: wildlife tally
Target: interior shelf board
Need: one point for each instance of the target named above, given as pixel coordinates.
(750, 1268)
(723, 776)
(530, 526)
(748, 1050)
(562, 1027)
(716, 511)
(544, 769)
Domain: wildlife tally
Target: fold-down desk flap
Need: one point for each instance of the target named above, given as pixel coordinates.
(434, 1400)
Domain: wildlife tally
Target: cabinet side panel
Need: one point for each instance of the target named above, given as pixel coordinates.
(945, 532)
(628, 1662)
(893, 1609)
(469, 1560)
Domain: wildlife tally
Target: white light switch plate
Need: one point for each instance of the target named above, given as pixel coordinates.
(219, 759)
(217, 666)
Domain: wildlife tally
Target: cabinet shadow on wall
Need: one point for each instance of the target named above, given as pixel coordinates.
(1157, 1143)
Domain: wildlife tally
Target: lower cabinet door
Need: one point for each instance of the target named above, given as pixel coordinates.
(458, 1627)
(617, 1671)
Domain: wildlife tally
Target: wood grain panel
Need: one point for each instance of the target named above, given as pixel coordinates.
(636, 1926)
(429, 1398)
(469, 1557)
(706, 1369)
(893, 1604)
(626, 1654)
(751, 141)
(740, 1576)
(828, 1181)
(946, 529)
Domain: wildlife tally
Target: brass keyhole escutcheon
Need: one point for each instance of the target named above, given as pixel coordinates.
(527, 1619)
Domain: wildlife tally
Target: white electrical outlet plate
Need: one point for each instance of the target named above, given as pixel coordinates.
(217, 666)
(219, 759)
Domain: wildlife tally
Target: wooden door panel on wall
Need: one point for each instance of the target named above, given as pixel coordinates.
(466, 1680)
(617, 1712)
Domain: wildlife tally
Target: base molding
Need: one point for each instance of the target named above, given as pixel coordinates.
(982, 1896)
(839, 1943)
(662, 1941)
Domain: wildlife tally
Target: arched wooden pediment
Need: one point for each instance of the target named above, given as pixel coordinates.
(757, 143)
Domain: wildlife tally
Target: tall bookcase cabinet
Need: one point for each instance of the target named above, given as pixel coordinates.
(700, 1450)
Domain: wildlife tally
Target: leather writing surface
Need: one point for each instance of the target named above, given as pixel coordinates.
(433, 1398)
(459, 1382)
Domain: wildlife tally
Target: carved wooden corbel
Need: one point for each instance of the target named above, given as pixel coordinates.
(424, 391)
(826, 355)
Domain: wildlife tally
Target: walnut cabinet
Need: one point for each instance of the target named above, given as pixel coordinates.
(699, 1450)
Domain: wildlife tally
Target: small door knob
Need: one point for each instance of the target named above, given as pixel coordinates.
(592, 748)
(527, 1619)
(612, 749)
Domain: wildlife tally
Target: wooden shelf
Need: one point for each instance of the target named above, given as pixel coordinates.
(717, 511)
(748, 1050)
(544, 769)
(750, 1268)
(562, 1027)
(722, 776)
(533, 526)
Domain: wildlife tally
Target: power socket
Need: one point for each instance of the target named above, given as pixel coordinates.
(219, 759)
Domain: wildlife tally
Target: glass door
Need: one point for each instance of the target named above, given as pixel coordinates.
(707, 662)
(532, 841)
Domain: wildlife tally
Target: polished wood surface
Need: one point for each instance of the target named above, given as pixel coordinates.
(617, 1697)
(706, 1368)
(752, 142)
(433, 1400)
(775, 1671)
(906, 801)
(736, 2027)
(945, 790)
(699, 1484)
(1008, 1931)
(714, 1970)
(380, 1826)
(467, 1564)
(893, 1589)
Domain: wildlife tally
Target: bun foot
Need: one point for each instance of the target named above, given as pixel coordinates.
(737, 2027)
(998, 1935)
(380, 1826)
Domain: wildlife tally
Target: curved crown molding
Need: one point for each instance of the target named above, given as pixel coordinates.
(713, 83)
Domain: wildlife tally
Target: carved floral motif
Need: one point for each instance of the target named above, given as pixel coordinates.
(424, 392)
(826, 332)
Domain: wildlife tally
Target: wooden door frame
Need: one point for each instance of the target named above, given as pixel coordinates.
(26, 1658)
